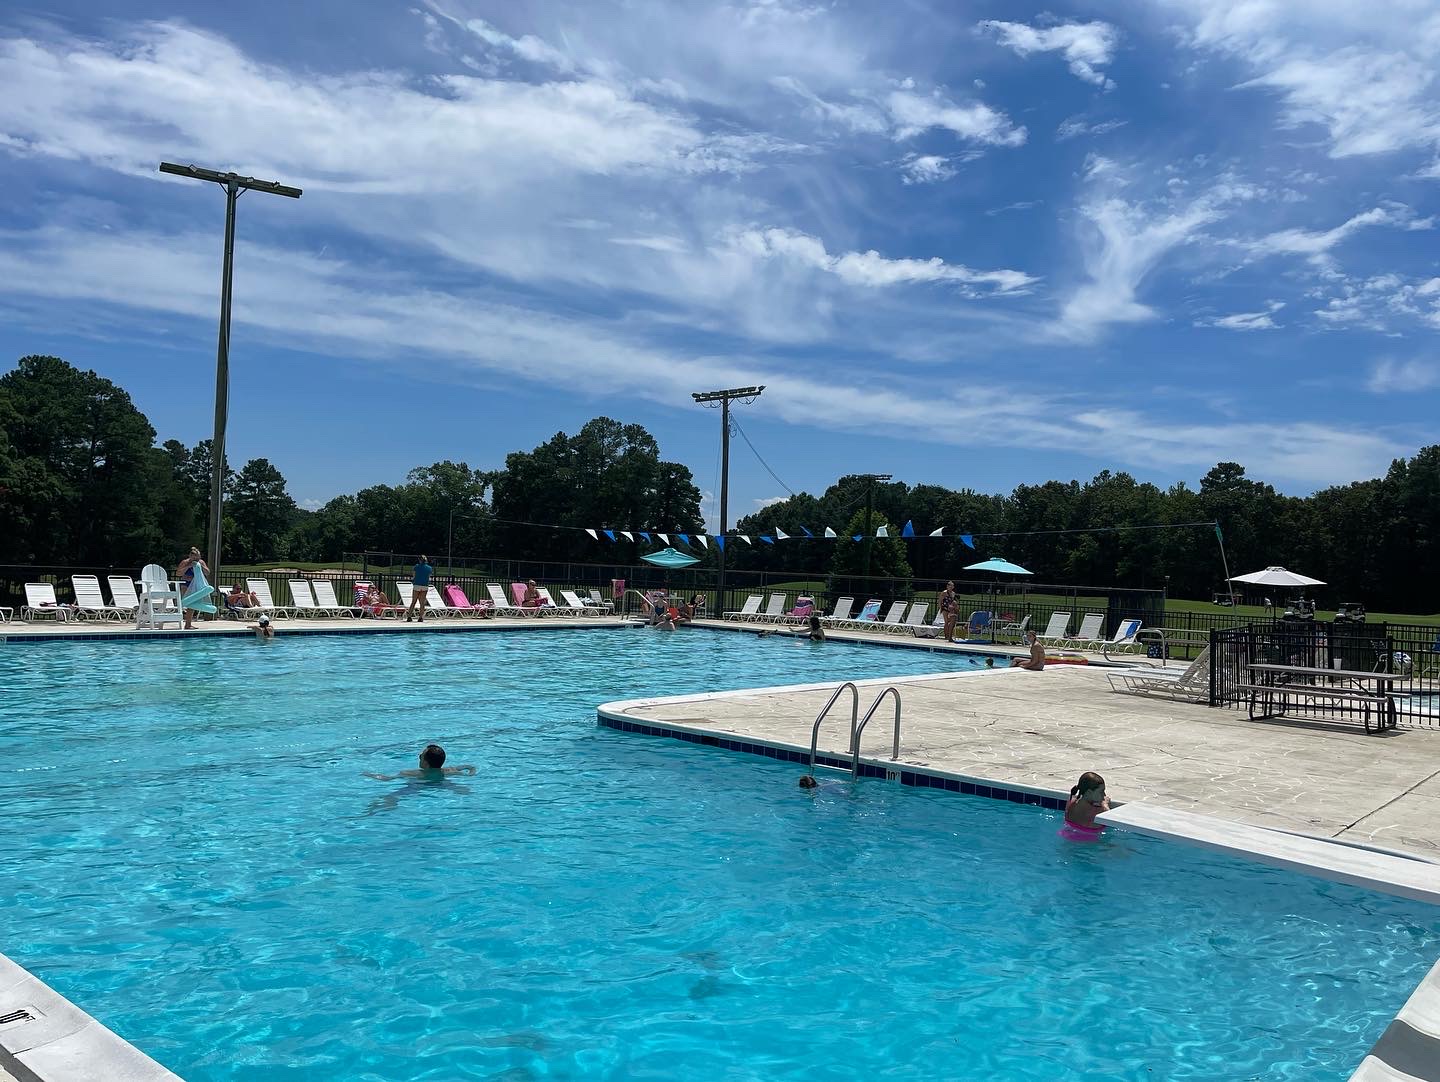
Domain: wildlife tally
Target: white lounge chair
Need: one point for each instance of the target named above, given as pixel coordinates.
(1192, 685)
(747, 611)
(1124, 639)
(843, 605)
(303, 600)
(1090, 633)
(1055, 629)
(40, 600)
(122, 595)
(439, 606)
(775, 610)
(326, 599)
(89, 600)
(592, 598)
(915, 621)
(550, 608)
(503, 607)
(261, 589)
(159, 599)
(1015, 628)
(573, 602)
(894, 617)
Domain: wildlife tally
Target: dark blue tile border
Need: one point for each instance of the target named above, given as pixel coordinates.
(919, 779)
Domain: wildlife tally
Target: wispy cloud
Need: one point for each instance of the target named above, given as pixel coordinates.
(1316, 244)
(1391, 376)
(870, 269)
(925, 169)
(1125, 239)
(1086, 46)
(1245, 321)
(1078, 126)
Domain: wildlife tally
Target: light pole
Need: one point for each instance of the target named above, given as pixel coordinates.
(234, 184)
(710, 399)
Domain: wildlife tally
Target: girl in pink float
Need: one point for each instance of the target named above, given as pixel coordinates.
(1087, 800)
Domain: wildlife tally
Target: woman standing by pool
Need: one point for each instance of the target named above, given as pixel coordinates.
(186, 574)
(948, 608)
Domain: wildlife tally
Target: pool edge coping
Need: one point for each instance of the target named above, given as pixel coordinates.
(59, 1042)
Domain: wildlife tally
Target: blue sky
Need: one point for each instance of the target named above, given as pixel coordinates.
(972, 244)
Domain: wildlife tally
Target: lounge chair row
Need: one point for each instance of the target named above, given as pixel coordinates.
(309, 598)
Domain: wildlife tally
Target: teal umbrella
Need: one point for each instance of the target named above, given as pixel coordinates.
(999, 567)
(669, 558)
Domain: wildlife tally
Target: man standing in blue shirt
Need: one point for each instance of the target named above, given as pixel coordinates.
(423, 571)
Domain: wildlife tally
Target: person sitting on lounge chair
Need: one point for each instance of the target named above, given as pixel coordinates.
(241, 598)
(532, 598)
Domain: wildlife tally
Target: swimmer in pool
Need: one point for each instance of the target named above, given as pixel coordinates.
(432, 768)
(1087, 800)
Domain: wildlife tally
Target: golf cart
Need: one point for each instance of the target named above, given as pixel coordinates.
(1350, 611)
(1228, 600)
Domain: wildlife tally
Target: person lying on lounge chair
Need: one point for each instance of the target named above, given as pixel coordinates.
(532, 598)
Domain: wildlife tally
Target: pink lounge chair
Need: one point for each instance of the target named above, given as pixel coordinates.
(456, 599)
(804, 608)
(517, 591)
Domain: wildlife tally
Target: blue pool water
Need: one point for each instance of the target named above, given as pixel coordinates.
(193, 856)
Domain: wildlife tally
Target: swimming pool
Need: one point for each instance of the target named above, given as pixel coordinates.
(202, 867)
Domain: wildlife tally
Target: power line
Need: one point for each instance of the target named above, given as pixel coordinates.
(758, 459)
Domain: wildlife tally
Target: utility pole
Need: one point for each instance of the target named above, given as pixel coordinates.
(234, 184)
(869, 511)
(710, 399)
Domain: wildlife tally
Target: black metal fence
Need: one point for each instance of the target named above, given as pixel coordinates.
(1410, 653)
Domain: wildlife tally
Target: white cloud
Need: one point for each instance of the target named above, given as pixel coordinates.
(1316, 244)
(1374, 303)
(1077, 126)
(1125, 240)
(1245, 321)
(915, 113)
(901, 112)
(1086, 46)
(1363, 72)
(870, 269)
(762, 502)
(925, 169)
(172, 91)
(1390, 376)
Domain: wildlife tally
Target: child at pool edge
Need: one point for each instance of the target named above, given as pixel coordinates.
(432, 767)
(262, 628)
(1087, 800)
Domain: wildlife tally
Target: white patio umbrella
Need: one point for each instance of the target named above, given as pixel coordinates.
(1277, 577)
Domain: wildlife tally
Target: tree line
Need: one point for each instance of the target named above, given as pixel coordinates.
(83, 482)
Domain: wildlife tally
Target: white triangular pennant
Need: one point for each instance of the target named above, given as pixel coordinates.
(829, 532)
(745, 538)
(593, 534)
(664, 538)
(938, 533)
(883, 531)
(627, 535)
(704, 544)
(781, 535)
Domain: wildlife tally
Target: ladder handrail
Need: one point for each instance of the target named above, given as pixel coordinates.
(855, 749)
(854, 716)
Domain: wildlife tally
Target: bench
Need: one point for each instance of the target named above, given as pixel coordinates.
(1384, 700)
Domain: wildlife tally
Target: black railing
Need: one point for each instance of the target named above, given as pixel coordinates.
(1410, 653)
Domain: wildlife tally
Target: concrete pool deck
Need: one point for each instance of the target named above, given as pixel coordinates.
(1043, 729)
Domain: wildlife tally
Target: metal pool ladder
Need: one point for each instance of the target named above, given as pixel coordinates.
(857, 724)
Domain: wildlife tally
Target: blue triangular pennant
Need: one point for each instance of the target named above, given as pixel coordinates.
(684, 538)
(609, 533)
(645, 534)
(909, 530)
(720, 541)
(806, 532)
(767, 539)
(969, 541)
(858, 537)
